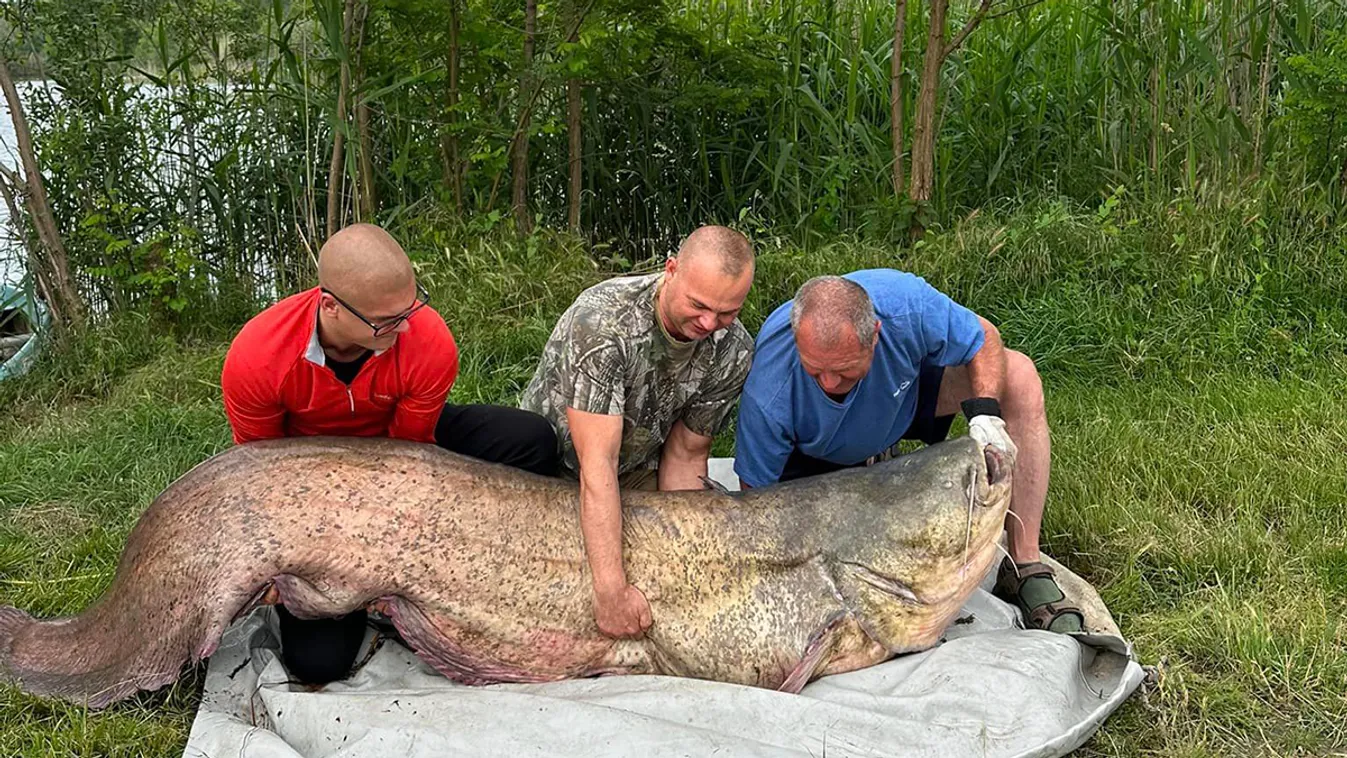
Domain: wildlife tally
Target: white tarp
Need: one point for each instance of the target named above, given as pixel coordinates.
(990, 689)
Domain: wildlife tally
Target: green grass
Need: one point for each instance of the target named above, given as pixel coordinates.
(1210, 517)
(1198, 479)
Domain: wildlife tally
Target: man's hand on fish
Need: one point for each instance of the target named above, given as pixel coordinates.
(991, 430)
(623, 612)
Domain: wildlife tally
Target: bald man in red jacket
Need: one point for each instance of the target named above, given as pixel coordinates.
(362, 355)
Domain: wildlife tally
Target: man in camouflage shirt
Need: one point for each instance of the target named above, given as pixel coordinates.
(638, 376)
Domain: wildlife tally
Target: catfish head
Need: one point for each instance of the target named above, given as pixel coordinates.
(923, 533)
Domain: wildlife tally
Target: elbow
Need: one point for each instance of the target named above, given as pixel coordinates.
(989, 329)
(700, 447)
(689, 451)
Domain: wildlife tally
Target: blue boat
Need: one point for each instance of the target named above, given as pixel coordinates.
(23, 321)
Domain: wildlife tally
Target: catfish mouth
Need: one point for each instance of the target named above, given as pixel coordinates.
(997, 466)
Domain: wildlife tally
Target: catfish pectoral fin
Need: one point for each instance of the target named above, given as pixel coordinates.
(816, 655)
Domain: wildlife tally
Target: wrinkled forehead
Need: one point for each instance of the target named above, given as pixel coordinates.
(702, 278)
(835, 352)
(832, 360)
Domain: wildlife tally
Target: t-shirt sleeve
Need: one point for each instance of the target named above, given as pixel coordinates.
(592, 372)
(252, 399)
(707, 413)
(429, 375)
(952, 333)
(761, 445)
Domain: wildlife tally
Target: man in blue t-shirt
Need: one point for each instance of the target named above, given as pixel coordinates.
(856, 363)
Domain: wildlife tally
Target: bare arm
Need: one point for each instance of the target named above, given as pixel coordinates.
(986, 377)
(682, 462)
(987, 370)
(619, 608)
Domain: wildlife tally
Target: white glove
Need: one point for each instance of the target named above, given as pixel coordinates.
(991, 430)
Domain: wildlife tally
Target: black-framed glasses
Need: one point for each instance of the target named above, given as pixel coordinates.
(422, 299)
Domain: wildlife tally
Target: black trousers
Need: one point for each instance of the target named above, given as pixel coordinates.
(926, 427)
(318, 651)
(495, 433)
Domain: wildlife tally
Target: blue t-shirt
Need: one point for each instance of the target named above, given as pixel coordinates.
(783, 408)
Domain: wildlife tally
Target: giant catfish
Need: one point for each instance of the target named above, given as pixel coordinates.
(482, 568)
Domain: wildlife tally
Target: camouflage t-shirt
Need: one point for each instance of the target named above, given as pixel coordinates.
(610, 354)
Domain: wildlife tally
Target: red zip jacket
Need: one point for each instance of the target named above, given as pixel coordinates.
(276, 382)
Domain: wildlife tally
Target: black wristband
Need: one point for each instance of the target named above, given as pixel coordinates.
(980, 406)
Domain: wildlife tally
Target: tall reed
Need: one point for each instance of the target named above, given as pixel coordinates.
(188, 148)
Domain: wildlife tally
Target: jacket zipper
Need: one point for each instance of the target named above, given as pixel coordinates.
(350, 396)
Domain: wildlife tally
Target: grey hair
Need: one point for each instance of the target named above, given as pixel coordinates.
(830, 303)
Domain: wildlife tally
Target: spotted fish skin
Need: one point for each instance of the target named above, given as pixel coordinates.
(483, 570)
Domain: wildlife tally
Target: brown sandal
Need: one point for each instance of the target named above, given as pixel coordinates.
(1041, 610)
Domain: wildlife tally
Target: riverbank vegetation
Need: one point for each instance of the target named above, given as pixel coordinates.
(1146, 196)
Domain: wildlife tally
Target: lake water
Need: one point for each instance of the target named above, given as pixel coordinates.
(12, 254)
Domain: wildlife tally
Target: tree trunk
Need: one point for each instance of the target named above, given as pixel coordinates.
(70, 308)
(335, 174)
(573, 112)
(11, 187)
(928, 100)
(453, 172)
(521, 146)
(193, 174)
(573, 115)
(1263, 81)
(1155, 120)
(896, 95)
(1328, 139)
(923, 126)
(368, 199)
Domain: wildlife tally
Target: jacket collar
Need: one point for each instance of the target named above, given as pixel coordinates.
(313, 353)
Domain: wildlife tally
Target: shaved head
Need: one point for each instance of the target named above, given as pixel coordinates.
(706, 283)
(363, 260)
(728, 248)
(366, 280)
